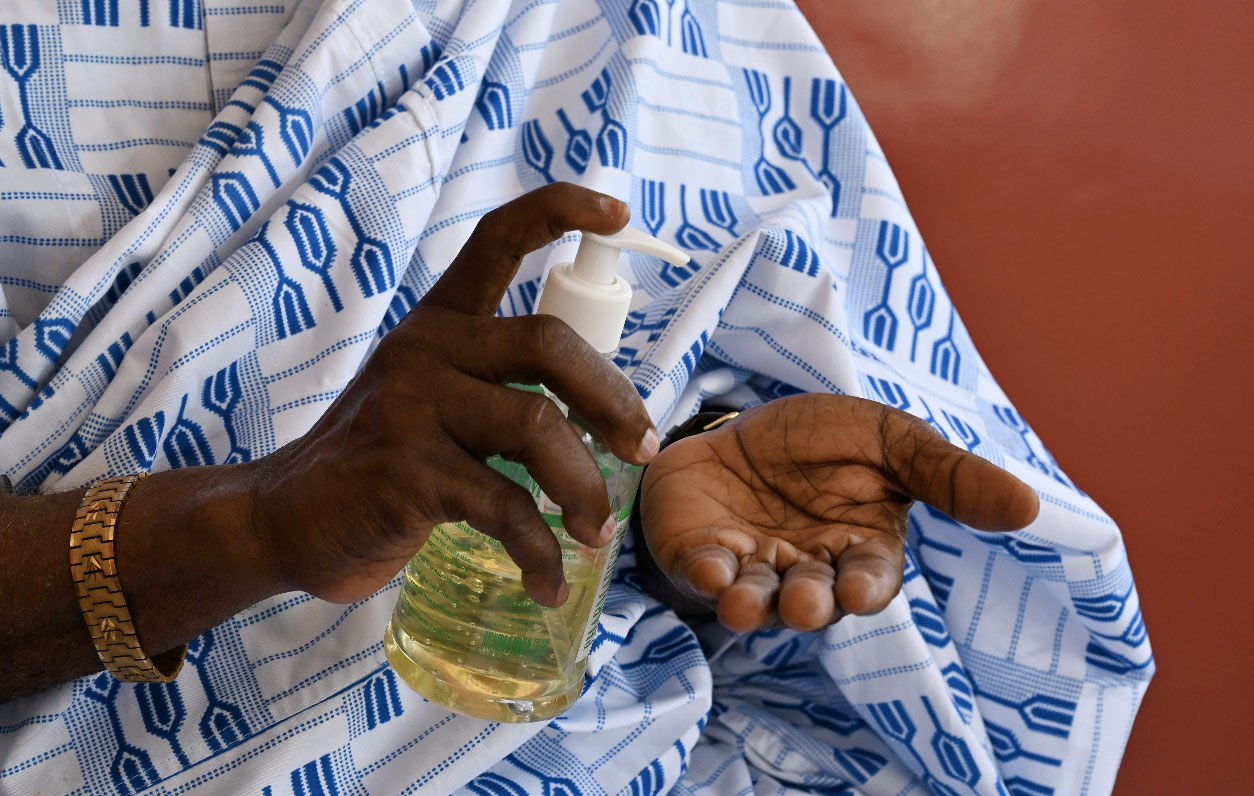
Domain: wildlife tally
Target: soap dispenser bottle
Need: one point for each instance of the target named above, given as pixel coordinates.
(464, 633)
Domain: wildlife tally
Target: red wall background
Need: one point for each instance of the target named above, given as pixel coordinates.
(1083, 173)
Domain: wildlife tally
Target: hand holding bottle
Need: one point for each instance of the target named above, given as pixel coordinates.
(403, 447)
(797, 509)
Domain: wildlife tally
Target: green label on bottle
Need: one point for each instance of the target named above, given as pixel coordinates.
(521, 649)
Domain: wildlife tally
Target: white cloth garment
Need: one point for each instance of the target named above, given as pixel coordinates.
(210, 212)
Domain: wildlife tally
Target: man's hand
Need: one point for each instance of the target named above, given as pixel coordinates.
(797, 510)
(403, 447)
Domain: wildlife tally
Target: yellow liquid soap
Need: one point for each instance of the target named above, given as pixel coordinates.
(465, 634)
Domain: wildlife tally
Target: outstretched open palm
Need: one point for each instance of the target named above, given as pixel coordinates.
(797, 509)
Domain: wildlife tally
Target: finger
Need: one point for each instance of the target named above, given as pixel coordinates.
(543, 349)
(868, 575)
(708, 570)
(972, 490)
(528, 428)
(477, 278)
(908, 450)
(747, 604)
(493, 504)
(807, 596)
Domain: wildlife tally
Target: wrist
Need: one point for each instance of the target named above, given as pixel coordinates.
(245, 503)
(206, 515)
(282, 511)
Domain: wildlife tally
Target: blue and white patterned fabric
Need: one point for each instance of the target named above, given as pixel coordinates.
(209, 214)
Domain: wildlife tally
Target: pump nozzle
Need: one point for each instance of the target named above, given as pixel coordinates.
(597, 257)
(589, 295)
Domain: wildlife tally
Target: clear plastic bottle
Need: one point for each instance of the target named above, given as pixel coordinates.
(464, 633)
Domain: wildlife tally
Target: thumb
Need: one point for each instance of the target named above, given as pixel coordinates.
(970, 489)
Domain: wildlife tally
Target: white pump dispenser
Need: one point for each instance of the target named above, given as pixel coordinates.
(589, 295)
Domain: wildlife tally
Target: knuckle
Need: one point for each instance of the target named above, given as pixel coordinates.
(556, 202)
(492, 229)
(556, 227)
(539, 414)
(517, 511)
(549, 337)
(492, 219)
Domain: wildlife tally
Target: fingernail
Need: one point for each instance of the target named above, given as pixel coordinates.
(610, 206)
(607, 530)
(649, 445)
(563, 591)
